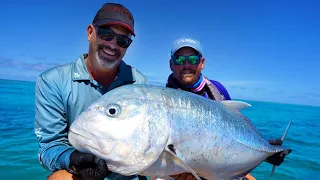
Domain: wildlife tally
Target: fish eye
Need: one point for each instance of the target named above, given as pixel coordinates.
(113, 110)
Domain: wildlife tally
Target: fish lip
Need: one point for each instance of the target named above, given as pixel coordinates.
(84, 137)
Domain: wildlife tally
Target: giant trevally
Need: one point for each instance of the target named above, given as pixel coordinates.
(158, 132)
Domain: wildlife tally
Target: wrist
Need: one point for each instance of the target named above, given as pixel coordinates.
(72, 170)
(66, 159)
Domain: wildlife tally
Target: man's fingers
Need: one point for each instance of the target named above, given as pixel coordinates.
(190, 177)
(285, 153)
(86, 158)
(82, 159)
(175, 176)
(102, 163)
(183, 176)
(275, 142)
(103, 168)
(186, 176)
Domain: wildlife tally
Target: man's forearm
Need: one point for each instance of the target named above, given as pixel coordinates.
(55, 156)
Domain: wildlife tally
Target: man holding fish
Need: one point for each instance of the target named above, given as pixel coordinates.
(64, 92)
(167, 132)
(69, 95)
(186, 63)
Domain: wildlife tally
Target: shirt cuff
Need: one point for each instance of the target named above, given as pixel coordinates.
(64, 159)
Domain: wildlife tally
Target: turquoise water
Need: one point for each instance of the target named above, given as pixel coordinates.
(18, 146)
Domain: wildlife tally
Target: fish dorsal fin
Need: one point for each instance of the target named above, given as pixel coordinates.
(238, 106)
(178, 161)
(235, 105)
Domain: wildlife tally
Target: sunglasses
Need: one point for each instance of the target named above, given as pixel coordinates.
(181, 60)
(107, 34)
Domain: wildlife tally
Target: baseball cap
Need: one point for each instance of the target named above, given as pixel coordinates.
(113, 13)
(186, 42)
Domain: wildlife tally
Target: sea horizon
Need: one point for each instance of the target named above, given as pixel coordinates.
(235, 98)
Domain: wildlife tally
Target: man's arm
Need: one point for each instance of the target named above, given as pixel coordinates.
(139, 77)
(222, 90)
(50, 124)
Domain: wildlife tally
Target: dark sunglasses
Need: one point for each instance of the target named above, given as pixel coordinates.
(181, 60)
(107, 34)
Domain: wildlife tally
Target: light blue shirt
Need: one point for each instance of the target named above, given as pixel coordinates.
(61, 94)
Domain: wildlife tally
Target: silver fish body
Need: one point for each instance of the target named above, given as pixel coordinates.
(132, 126)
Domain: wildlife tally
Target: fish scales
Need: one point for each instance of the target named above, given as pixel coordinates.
(208, 136)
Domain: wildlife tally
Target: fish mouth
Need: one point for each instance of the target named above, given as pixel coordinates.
(80, 141)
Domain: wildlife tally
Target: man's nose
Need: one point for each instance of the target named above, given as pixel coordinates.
(112, 44)
(187, 64)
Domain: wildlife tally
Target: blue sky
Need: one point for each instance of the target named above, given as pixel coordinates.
(260, 50)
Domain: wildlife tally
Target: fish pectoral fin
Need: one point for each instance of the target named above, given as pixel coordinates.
(235, 105)
(177, 160)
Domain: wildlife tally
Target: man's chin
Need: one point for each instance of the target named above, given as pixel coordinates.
(107, 64)
(187, 81)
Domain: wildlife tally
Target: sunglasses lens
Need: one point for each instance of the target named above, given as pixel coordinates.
(123, 41)
(180, 60)
(194, 60)
(106, 33)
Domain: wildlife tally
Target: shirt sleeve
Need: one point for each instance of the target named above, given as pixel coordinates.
(222, 90)
(139, 77)
(50, 124)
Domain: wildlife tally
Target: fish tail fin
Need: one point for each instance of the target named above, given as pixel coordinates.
(283, 136)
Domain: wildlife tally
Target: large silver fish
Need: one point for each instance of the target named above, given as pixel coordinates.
(158, 132)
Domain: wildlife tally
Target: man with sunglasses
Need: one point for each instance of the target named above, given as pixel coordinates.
(63, 92)
(186, 64)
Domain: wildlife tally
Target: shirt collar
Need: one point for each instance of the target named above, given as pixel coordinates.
(81, 73)
(79, 69)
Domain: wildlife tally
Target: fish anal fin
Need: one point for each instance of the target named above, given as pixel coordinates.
(170, 150)
(241, 175)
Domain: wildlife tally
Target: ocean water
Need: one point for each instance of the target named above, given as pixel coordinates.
(18, 145)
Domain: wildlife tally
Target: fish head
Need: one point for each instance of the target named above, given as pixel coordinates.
(123, 127)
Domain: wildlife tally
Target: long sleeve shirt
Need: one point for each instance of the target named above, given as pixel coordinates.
(61, 94)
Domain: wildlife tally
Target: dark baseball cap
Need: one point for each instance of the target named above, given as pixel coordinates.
(113, 13)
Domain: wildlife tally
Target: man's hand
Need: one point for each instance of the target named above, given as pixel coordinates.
(277, 158)
(84, 165)
(184, 176)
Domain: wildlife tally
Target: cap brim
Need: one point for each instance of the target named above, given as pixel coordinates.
(108, 22)
(182, 46)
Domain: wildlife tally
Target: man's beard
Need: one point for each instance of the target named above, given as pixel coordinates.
(104, 61)
(190, 75)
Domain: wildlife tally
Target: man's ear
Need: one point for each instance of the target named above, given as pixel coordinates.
(90, 32)
(171, 65)
(202, 62)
